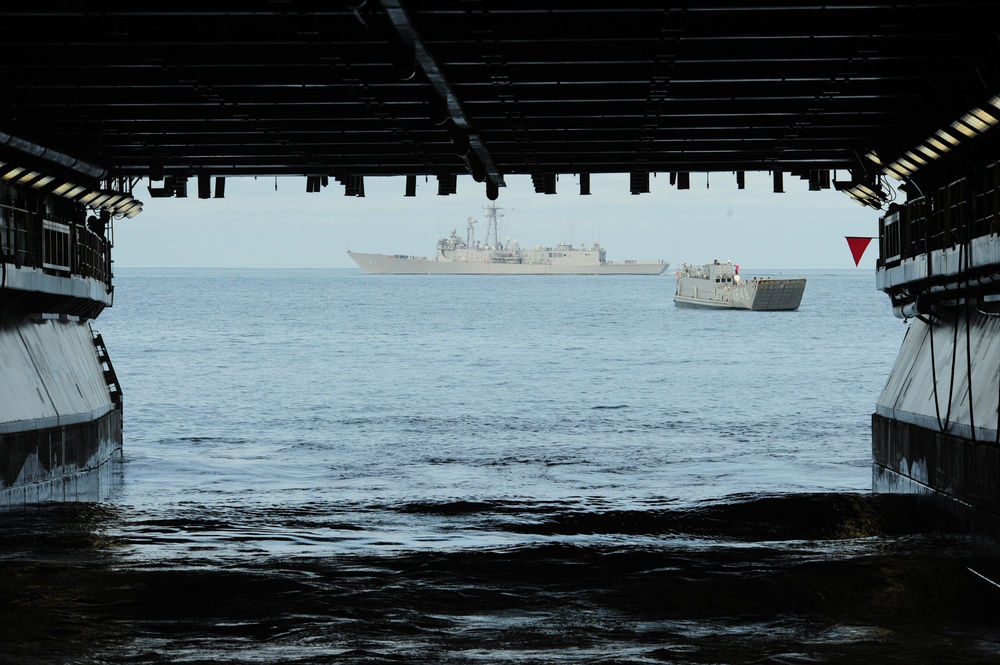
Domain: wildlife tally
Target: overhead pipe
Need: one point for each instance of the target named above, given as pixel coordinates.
(446, 105)
(53, 156)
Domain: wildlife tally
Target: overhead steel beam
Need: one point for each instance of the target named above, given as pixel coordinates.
(469, 144)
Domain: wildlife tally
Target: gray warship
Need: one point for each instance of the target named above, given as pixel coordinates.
(467, 256)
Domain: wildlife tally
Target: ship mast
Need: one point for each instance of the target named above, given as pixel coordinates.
(493, 213)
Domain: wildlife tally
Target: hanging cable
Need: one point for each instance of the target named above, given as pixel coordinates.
(968, 333)
(3, 268)
(996, 426)
(942, 425)
(968, 360)
(954, 353)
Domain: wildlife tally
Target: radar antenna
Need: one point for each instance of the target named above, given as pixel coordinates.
(470, 236)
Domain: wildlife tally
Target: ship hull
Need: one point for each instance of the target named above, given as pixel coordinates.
(60, 428)
(935, 430)
(79, 461)
(762, 295)
(385, 264)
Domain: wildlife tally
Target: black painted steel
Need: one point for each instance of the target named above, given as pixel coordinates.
(384, 88)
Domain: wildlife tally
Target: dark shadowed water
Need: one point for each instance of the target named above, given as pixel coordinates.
(331, 467)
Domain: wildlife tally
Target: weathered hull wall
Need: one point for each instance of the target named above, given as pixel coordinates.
(79, 462)
(60, 429)
(945, 377)
(934, 430)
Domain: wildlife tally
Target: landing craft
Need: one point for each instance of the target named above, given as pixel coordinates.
(719, 285)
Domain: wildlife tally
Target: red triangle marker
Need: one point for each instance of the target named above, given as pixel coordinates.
(858, 247)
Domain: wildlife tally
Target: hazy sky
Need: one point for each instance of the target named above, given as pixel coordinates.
(275, 223)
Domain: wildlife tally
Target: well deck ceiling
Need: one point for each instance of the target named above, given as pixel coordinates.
(407, 87)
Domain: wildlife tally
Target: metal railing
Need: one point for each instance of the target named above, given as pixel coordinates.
(56, 246)
(955, 214)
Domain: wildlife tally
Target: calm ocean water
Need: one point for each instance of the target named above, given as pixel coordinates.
(330, 467)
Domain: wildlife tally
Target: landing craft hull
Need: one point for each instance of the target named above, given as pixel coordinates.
(385, 264)
(763, 295)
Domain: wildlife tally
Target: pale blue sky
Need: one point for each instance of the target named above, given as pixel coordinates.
(275, 223)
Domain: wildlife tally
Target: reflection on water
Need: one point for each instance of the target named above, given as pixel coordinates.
(790, 579)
